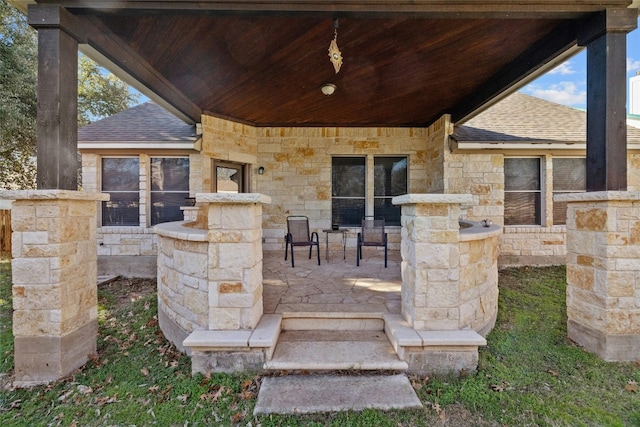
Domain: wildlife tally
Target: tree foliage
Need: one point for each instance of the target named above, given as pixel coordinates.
(18, 73)
(100, 94)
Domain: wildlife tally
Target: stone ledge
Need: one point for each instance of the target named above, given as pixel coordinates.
(466, 337)
(479, 232)
(598, 196)
(433, 199)
(399, 331)
(265, 335)
(52, 195)
(267, 331)
(232, 198)
(203, 340)
(177, 230)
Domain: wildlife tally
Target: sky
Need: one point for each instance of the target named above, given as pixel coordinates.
(566, 84)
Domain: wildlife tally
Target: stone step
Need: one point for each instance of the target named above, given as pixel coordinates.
(332, 321)
(327, 350)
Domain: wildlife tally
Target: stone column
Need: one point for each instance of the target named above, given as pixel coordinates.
(54, 270)
(431, 259)
(603, 272)
(234, 223)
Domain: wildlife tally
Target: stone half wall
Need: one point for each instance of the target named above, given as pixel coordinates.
(479, 278)
(183, 286)
(210, 270)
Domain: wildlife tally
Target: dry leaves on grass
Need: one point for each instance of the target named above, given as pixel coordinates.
(631, 386)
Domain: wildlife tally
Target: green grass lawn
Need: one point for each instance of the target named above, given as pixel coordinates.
(529, 374)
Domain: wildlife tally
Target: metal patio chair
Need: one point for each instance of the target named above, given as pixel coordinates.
(298, 235)
(372, 234)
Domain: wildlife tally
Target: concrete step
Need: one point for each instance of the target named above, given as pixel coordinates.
(293, 394)
(326, 350)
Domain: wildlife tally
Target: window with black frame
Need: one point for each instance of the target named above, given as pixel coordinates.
(348, 190)
(389, 180)
(569, 176)
(169, 188)
(522, 191)
(121, 180)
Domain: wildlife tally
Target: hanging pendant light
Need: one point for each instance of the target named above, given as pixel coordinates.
(335, 56)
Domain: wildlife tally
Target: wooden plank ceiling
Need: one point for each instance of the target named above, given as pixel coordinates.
(266, 67)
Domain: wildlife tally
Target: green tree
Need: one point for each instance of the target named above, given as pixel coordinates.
(100, 94)
(18, 73)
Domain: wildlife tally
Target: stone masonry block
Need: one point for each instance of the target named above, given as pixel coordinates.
(31, 270)
(228, 318)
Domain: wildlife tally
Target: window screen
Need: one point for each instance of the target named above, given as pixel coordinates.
(348, 190)
(569, 176)
(121, 179)
(169, 188)
(389, 180)
(522, 195)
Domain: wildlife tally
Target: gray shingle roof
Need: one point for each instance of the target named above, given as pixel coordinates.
(146, 122)
(524, 118)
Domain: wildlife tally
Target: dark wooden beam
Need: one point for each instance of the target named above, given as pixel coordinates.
(109, 45)
(529, 62)
(57, 110)
(547, 8)
(606, 40)
(92, 32)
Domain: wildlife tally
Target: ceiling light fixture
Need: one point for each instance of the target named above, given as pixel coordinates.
(335, 56)
(328, 88)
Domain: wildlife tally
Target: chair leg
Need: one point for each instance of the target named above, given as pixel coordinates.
(286, 246)
(310, 249)
(358, 251)
(292, 263)
(318, 252)
(385, 255)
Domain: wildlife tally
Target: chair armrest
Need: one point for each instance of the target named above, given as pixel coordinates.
(314, 233)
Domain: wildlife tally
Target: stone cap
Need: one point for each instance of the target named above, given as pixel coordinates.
(52, 195)
(232, 198)
(178, 230)
(598, 196)
(442, 199)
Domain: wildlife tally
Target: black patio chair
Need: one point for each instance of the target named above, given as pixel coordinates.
(372, 234)
(298, 235)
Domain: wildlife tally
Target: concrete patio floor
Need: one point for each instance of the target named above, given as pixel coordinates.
(335, 286)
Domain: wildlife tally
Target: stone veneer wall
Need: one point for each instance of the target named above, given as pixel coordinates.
(603, 272)
(297, 175)
(533, 245)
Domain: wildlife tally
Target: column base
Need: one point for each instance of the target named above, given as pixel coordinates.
(612, 348)
(40, 360)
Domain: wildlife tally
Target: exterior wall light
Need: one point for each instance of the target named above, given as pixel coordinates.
(261, 170)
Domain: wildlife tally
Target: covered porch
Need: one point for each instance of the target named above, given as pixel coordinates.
(258, 101)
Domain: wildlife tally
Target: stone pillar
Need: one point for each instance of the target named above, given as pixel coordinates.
(234, 223)
(603, 272)
(431, 259)
(54, 270)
